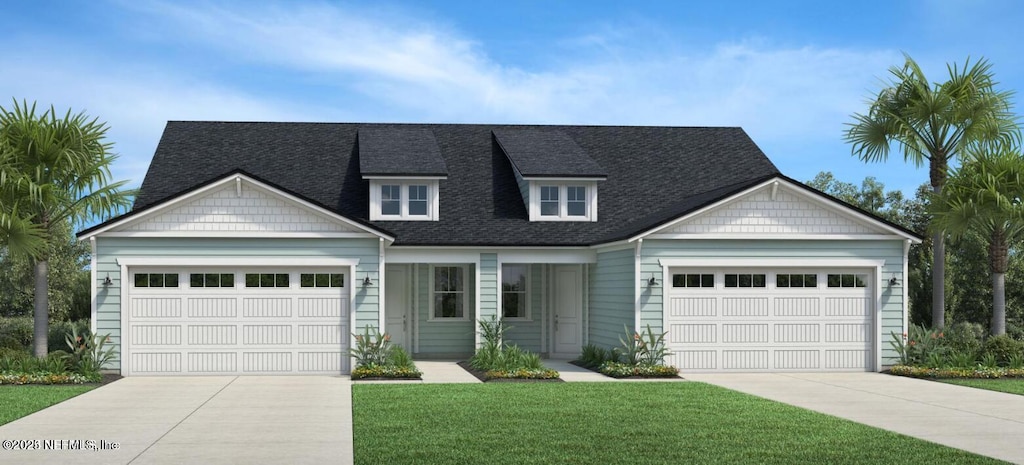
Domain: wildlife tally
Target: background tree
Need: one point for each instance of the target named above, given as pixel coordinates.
(56, 170)
(912, 214)
(986, 196)
(933, 123)
(68, 293)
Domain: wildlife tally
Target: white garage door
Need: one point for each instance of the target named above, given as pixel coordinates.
(237, 321)
(771, 320)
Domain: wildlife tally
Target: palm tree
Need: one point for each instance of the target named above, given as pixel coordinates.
(986, 196)
(934, 123)
(53, 170)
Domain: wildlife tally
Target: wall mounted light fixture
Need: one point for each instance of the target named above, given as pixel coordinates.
(367, 282)
(107, 281)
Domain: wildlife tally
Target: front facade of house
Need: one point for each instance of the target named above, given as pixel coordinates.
(260, 248)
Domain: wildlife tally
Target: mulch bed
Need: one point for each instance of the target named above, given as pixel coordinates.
(573, 362)
(108, 378)
(383, 378)
(480, 375)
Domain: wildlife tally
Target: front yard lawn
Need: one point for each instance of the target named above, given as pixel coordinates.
(1012, 386)
(608, 423)
(18, 401)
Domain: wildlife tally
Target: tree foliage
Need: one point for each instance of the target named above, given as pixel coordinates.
(933, 124)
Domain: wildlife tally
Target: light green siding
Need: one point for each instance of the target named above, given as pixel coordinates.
(891, 252)
(611, 297)
(488, 286)
(441, 337)
(526, 333)
(110, 249)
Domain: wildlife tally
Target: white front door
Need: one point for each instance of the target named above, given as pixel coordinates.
(568, 311)
(396, 305)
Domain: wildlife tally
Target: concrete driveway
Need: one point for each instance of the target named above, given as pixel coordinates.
(210, 420)
(984, 422)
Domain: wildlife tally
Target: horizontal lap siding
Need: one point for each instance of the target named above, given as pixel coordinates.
(526, 334)
(443, 337)
(110, 249)
(611, 297)
(889, 251)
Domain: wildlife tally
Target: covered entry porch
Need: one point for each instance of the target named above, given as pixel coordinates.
(432, 307)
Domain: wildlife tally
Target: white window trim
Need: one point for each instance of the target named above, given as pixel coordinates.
(528, 317)
(563, 199)
(433, 203)
(465, 292)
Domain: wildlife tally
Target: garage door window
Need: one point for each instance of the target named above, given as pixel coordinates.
(847, 280)
(796, 280)
(693, 280)
(322, 280)
(744, 280)
(266, 280)
(211, 280)
(156, 279)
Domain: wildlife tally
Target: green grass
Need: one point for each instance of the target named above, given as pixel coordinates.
(1012, 386)
(609, 423)
(18, 401)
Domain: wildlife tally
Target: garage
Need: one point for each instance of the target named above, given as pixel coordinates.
(771, 319)
(236, 321)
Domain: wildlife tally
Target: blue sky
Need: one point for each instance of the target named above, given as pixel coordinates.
(790, 73)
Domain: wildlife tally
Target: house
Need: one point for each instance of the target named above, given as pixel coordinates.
(257, 248)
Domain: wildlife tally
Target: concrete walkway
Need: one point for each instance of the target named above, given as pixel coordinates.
(984, 422)
(210, 420)
(444, 371)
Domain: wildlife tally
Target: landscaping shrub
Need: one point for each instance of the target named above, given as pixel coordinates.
(57, 338)
(499, 360)
(917, 346)
(978, 372)
(1002, 348)
(644, 356)
(376, 357)
(965, 337)
(16, 333)
(88, 355)
(961, 359)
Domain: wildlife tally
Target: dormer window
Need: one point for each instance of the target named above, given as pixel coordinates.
(403, 200)
(569, 200)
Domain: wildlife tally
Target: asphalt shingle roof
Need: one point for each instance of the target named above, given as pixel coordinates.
(399, 151)
(546, 153)
(653, 174)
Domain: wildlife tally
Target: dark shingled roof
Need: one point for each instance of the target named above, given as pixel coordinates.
(399, 151)
(654, 174)
(547, 152)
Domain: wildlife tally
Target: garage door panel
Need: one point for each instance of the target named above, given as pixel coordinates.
(321, 334)
(156, 334)
(745, 306)
(846, 306)
(823, 327)
(797, 306)
(745, 333)
(797, 359)
(847, 359)
(212, 362)
(745, 359)
(156, 362)
(266, 307)
(212, 307)
(267, 362)
(325, 307)
(156, 307)
(695, 359)
(237, 330)
(693, 306)
(797, 332)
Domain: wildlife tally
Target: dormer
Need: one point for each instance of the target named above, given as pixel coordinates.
(556, 177)
(404, 167)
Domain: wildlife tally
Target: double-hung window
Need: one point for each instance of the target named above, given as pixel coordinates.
(563, 202)
(403, 200)
(449, 293)
(513, 292)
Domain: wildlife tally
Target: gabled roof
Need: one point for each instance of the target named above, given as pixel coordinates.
(138, 215)
(654, 174)
(399, 151)
(546, 153)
